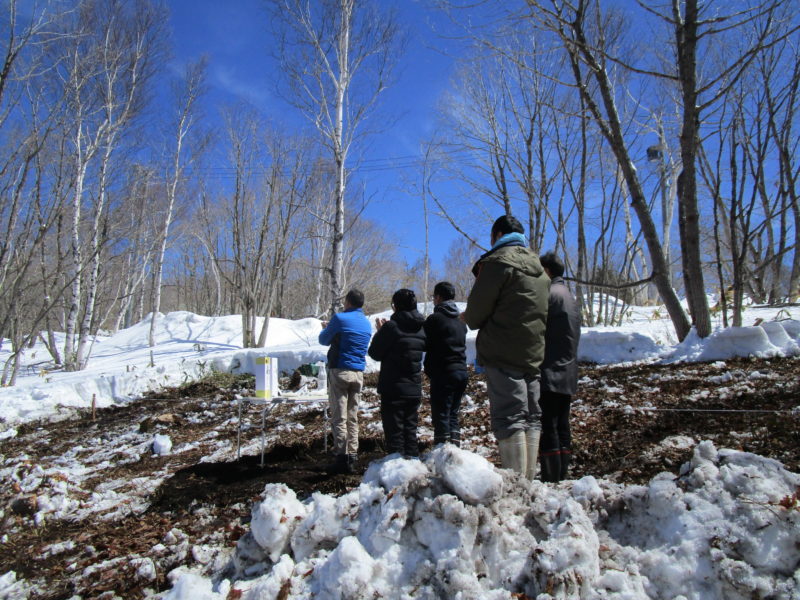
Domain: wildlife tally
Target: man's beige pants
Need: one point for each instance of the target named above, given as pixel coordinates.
(344, 393)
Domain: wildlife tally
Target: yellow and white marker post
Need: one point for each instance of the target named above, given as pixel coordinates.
(267, 377)
(267, 392)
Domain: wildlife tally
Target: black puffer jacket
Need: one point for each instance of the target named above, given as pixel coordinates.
(446, 340)
(399, 345)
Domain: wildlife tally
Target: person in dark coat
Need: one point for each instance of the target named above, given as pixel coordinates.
(445, 363)
(399, 344)
(559, 372)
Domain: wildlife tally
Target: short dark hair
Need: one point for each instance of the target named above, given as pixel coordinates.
(552, 263)
(355, 298)
(507, 224)
(404, 299)
(445, 290)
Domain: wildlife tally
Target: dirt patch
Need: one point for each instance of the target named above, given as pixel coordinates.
(299, 466)
(629, 423)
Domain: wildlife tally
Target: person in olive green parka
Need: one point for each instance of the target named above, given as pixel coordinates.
(508, 305)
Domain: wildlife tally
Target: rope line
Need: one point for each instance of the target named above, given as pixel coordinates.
(708, 410)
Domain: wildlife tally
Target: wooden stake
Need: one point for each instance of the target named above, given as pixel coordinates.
(94, 406)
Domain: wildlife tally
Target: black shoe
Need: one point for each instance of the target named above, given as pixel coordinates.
(352, 460)
(566, 459)
(339, 465)
(551, 465)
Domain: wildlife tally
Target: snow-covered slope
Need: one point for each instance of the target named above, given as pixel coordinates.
(123, 366)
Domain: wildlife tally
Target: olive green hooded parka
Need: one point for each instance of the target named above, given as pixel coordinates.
(508, 305)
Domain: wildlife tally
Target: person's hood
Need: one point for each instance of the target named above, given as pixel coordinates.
(448, 308)
(409, 321)
(519, 257)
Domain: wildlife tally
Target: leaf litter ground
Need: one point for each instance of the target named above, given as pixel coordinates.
(629, 423)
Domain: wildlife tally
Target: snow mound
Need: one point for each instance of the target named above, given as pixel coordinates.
(274, 518)
(606, 346)
(728, 527)
(782, 335)
(717, 531)
(469, 476)
(728, 343)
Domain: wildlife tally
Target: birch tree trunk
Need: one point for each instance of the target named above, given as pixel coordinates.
(187, 98)
(324, 48)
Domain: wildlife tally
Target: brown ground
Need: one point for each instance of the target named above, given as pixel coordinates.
(209, 502)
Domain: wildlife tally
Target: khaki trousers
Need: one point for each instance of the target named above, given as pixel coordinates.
(344, 393)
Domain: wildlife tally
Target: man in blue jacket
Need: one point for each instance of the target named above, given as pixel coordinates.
(348, 334)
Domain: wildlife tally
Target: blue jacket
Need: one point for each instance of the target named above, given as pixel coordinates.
(348, 335)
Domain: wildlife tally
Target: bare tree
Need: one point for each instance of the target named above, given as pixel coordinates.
(28, 213)
(693, 23)
(107, 53)
(780, 78)
(336, 55)
(127, 56)
(458, 261)
(372, 262)
(584, 36)
(187, 96)
(252, 235)
(137, 225)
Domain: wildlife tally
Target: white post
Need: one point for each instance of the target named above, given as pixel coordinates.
(266, 377)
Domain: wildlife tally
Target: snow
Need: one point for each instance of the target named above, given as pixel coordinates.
(162, 445)
(449, 524)
(188, 346)
(763, 341)
(717, 531)
(607, 345)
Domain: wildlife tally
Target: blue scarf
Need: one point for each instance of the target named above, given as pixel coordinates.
(510, 239)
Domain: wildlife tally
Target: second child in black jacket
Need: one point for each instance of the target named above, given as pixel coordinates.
(446, 363)
(399, 344)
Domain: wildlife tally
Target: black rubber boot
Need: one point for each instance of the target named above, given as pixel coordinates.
(566, 459)
(338, 466)
(551, 465)
(352, 459)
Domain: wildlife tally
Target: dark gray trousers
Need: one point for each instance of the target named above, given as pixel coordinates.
(513, 401)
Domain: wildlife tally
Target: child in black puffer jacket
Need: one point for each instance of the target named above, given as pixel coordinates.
(446, 363)
(399, 344)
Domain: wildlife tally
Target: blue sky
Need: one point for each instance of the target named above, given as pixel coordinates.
(234, 34)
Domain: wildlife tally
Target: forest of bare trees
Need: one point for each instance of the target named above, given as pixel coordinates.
(660, 169)
(602, 122)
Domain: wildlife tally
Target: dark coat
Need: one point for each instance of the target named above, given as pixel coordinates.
(560, 364)
(399, 345)
(446, 340)
(508, 304)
